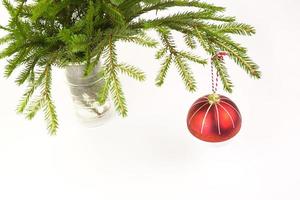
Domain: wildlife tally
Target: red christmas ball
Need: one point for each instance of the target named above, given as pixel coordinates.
(214, 118)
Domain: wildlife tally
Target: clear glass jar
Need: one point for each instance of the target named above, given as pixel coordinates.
(84, 91)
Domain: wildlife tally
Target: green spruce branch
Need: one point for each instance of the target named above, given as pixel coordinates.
(44, 34)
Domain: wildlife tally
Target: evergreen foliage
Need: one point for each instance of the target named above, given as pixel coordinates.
(47, 33)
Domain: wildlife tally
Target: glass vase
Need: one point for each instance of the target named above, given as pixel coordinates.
(84, 91)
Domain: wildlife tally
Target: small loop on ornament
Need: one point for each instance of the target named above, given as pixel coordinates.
(220, 55)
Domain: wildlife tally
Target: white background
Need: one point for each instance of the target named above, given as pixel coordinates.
(150, 154)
